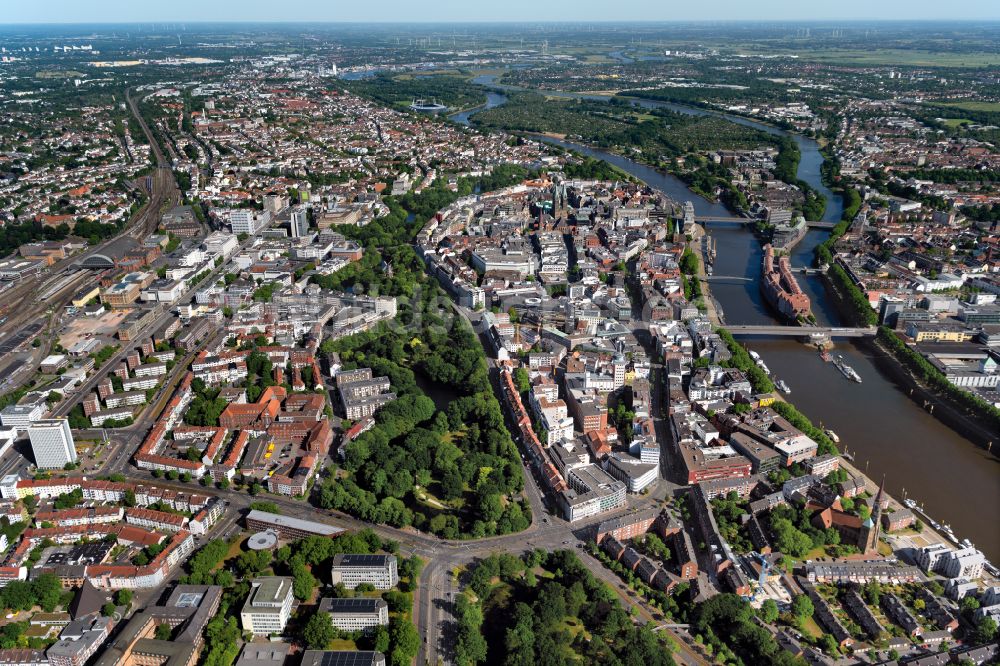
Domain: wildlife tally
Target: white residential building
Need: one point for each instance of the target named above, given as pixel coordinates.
(140, 383)
(964, 563)
(219, 243)
(150, 370)
(939, 558)
(247, 221)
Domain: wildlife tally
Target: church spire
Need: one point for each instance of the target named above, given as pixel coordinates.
(872, 528)
(877, 507)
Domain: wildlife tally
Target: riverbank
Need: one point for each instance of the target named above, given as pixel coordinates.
(561, 140)
(788, 410)
(826, 446)
(930, 399)
(945, 409)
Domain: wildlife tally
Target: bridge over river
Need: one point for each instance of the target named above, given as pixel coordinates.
(715, 277)
(801, 331)
(745, 220)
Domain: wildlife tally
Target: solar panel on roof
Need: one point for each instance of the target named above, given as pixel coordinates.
(359, 560)
(349, 604)
(340, 658)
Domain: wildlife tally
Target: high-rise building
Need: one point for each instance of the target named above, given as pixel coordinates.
(299, 222)
(619, 365)
(275, 203)
(889, 308)
(249, 222)
(52, 443)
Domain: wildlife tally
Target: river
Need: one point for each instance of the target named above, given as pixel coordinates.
(492, 100)
(810, 162)
(888, 434)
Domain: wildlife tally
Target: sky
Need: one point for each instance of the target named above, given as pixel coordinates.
(133, 11)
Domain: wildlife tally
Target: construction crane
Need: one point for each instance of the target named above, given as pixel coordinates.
(765, 569)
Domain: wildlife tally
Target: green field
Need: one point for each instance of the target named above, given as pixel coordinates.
(989, 107)
(58, 74)
(956, 122)
(914, 58)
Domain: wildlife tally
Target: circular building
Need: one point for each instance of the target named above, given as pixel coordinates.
(265, 540)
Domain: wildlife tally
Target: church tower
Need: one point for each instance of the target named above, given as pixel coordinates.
(872, 528)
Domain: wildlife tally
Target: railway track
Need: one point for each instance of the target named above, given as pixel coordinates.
(32, 297)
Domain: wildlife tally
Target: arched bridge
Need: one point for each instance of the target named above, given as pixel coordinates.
(802, 331)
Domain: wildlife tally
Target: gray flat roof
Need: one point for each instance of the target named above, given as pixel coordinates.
(264, 654)
(277, 520)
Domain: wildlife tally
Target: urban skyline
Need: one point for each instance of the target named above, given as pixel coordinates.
(460, 11)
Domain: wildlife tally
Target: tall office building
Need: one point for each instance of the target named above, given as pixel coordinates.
(243, 222)
(52, 443)
(247, 221)
(299, 222)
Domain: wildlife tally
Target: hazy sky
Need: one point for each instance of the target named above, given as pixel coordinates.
(128, 11)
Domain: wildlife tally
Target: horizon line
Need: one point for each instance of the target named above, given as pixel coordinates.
(505, 22)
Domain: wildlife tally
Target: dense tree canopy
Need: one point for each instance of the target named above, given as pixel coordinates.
(527, 619)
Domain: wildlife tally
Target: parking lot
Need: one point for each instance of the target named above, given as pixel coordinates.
(82, 328)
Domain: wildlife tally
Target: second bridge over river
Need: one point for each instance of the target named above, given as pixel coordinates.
(746, 220)
(715, 277)
(801, 331)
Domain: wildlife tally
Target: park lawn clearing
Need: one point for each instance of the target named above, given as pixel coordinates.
(575, 628)
(234, 551)
(990, 107)
(810, 627)
(427, 499)
(814, 554)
